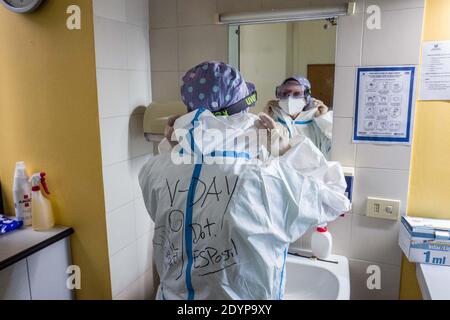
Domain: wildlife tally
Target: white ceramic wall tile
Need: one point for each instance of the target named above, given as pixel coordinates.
(124, 269)
(163, 13)
(375, 240)
(349, 40)
(379, 183)
(235, 6)
(165, 86)
(341, 230)
(201, 43)
(396, 4)
(139, 146)
(344, 92)
(383, 156)
(144, 223)
(136, 166)
(112, 88)
(397, 42)
(138, 48)
(196, 12)
(132, 292)
(111, 9)
(343, 150)
(114, 139)
(150, 285)
(137, 12)
(110, 43)
(390, 281)
(139, 91)
(118, 185)
(121, 228)
(141, 289)
(164, 49)
(144, 246)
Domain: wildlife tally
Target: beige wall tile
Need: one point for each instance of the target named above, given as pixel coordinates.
(165, 86)
(163, 13)
(201, 43)
(164, 49)
(196, 12)
(235, 6)
(285, 4)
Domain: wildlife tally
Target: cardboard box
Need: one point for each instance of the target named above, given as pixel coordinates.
(425, 240)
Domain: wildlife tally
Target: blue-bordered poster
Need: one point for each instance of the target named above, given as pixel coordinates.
(384, 105)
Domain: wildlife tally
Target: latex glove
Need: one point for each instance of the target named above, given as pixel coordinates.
(169, 129)
(322, 109)
(266, 122)
(272, 104)
(277, 142)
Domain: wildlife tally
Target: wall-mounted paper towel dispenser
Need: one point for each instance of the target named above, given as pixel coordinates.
(156, 116)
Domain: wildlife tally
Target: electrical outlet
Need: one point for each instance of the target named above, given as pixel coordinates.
(383, 208)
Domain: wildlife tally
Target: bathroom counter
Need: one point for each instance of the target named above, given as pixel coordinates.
(21, 244)
(434, 281)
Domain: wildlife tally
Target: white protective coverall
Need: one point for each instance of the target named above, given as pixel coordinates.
(318, 129)
(222, 231)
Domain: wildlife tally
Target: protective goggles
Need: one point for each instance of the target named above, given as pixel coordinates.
(283, 92)
(239, 106)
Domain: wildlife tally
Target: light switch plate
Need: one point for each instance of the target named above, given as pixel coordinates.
(383, 208)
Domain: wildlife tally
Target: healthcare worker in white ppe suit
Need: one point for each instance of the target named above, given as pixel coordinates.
(225, 213)
(300, 114)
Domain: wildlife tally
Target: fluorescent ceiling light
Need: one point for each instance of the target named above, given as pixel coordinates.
(286, 15)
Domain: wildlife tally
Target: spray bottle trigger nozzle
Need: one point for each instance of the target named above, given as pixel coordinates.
(44, 183)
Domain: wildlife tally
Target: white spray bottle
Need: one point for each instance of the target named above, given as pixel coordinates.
(22, 194)
(41, 207)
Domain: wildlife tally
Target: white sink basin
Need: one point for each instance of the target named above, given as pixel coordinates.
(309, 279)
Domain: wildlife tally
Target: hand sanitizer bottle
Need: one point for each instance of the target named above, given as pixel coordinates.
(322, 243)
(22, 194)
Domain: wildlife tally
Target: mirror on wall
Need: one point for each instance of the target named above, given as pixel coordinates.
(269, 54)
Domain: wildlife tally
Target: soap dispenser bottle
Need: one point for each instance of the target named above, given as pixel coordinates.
(42, 213)
(322, 243)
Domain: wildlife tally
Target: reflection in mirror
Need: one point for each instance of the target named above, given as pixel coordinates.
(270, 54)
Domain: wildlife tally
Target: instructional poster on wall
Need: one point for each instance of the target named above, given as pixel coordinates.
(384, 105)
(435, 74)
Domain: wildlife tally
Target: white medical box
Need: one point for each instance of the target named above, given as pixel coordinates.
(425, 240)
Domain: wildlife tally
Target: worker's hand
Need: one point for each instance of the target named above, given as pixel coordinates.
(322, 109)
(169, 129)
(277, 135)
(265, 122)
(271, 105)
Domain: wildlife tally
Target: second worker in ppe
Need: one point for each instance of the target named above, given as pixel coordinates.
(300, 114)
